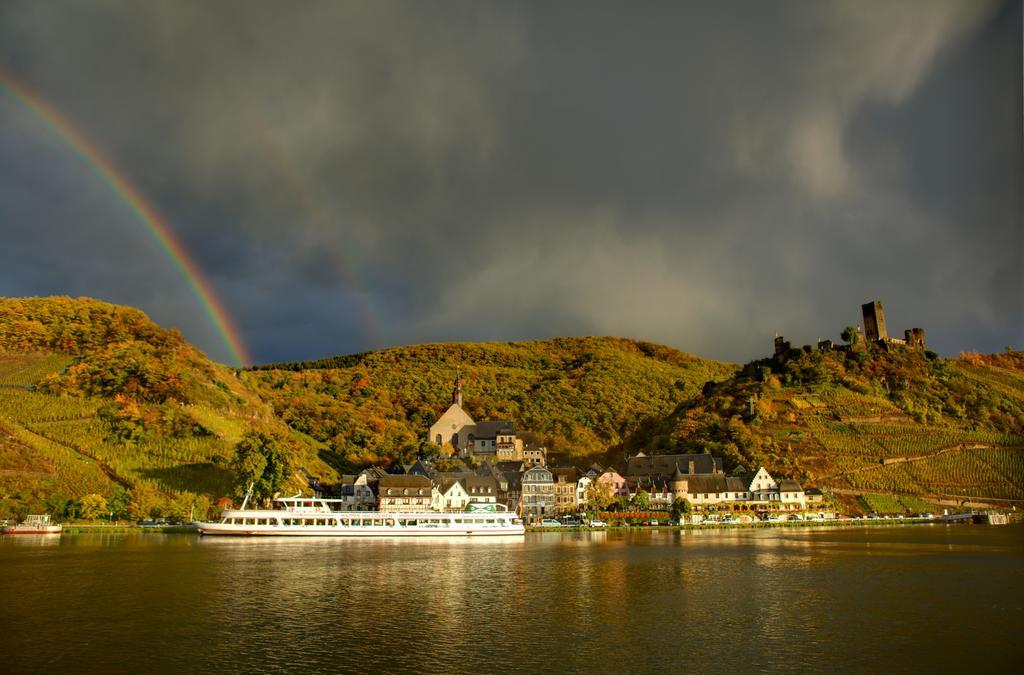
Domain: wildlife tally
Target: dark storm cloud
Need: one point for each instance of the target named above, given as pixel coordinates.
(359, 174)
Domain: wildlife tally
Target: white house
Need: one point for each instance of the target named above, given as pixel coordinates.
(448, 494)
(581, 490)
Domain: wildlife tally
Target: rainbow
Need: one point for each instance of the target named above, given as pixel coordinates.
(144, 210)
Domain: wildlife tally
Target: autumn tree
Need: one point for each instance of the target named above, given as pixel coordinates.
(145, 502)
(93, 506)
(599, 494)
(262, 459)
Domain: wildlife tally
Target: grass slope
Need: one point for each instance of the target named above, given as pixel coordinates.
(97, 399)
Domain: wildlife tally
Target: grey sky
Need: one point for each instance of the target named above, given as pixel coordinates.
(356, 175)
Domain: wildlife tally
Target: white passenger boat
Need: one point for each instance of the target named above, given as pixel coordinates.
(315, 517)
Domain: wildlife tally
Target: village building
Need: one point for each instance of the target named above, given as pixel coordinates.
(402, 492)
(537, 486)
(581, 490)
(499, 440)
(513, 490)
(356, 494)
(533, 452)
(564, 489)
(496, 439)
(758, 491)
(619, 488)
(481, 489)
(448, 494)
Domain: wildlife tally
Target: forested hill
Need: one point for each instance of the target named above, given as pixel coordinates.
(97, 400)
(581, 396)
(866, 422)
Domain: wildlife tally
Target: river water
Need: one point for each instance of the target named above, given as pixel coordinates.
(893, 599)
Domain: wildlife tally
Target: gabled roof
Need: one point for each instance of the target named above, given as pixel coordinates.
(566, 473)
(514, 478)
(487, 469)
(665, 465)
(787, 485)
(403, 481)
(492, 429)
(535, 471)
(736, 484)
(421, 468)
(708, 484)
(480, 485)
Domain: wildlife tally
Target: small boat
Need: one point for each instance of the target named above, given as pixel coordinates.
(35, 524)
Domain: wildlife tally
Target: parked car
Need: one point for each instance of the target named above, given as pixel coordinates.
(550, 522)
(598, 523)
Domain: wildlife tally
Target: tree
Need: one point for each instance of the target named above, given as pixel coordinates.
(641, 501)
(681, 507)
(145, 502)
(117, 504)
(599, 495)
(264, 460)
(93, 506)
(429, 450)
(849, 335)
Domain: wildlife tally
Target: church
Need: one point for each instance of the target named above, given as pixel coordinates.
(490, 439)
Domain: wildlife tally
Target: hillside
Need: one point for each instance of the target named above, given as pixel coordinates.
(581, 396)
(96, 399)
(866, 422)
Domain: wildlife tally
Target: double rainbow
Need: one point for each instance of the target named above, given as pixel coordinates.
(146, 212)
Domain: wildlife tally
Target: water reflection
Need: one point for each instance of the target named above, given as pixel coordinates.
(584, 602)
(31, 539)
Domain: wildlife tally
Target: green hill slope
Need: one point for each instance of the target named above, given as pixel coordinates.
(868, 422)
(581, 396)
(97, 399)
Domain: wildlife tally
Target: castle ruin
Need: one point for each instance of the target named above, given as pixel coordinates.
(875, 331)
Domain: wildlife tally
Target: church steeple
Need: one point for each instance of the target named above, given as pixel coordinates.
(457, 391)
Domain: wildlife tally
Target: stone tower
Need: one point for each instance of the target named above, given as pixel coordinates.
(679, 483)
(915, 337)
(874, 321)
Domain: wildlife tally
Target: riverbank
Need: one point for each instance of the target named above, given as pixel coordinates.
(115, 528)
(852, 522)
